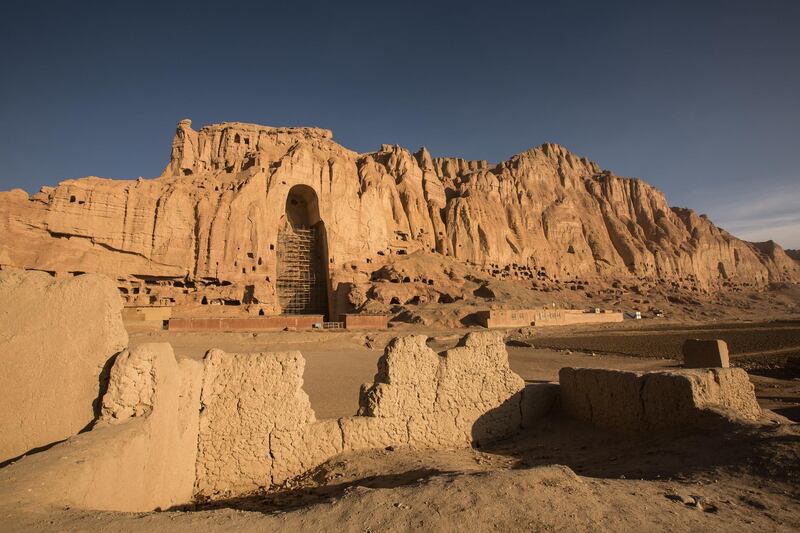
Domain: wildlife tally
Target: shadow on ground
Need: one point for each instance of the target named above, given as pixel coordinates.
(285, 499)
(770, 451)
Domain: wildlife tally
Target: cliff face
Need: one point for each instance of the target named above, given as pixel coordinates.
(213, 217)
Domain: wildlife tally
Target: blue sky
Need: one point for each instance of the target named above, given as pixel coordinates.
(701, 99)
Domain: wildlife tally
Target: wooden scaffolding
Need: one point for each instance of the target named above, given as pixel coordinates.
(300, 284)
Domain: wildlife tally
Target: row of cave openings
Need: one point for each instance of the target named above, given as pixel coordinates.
(302, 266)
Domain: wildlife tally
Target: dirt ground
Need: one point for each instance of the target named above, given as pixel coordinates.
(337, 363)
(560, 475)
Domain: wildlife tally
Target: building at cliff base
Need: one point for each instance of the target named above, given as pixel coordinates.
(514, 318)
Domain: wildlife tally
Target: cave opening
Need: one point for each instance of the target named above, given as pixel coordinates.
(302, 282)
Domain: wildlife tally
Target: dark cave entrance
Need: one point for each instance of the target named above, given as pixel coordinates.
(302, 281)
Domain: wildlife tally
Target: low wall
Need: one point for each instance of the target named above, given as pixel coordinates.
(512, 318)
(235, 423)
(467, 395)
(146, 314)
(56, 341)
(705, 353)
(365, 321)
(257, 427)
(141, 453)
(266, 323)
(649, 401)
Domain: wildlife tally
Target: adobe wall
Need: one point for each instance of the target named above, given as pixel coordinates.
(141, 453)
(265, 323)
(147, 314)
(466, 395)
(365, 321)
(648, 401)
(257, 427)
(56, 337)
(173, 431)
(512, 318)
(255, 423)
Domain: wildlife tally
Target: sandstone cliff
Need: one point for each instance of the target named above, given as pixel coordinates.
(211, 219)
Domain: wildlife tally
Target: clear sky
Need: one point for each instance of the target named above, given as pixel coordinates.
(700, 98)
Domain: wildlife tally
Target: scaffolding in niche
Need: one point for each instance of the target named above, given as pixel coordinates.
(300, 289)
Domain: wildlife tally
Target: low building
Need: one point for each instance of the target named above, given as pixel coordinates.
(514, 318)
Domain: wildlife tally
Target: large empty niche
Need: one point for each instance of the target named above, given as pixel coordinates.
(302, 255)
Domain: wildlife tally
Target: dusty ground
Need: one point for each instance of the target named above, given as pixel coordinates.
(561, 475)
(337, 363)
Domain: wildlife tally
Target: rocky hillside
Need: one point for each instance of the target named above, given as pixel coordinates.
(212, 217)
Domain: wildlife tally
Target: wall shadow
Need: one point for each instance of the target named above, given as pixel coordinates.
(97, 405)
(592, 452)
(282, 500)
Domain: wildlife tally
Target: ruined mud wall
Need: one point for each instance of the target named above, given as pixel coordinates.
(235, 423)
(257, 427)
(56, 338)
(254, 423)
(650, 401)
(207, 228)
(139, 456)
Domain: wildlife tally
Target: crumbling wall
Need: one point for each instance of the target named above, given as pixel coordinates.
(257, 427)
(170, 431)
(140, 455)
(255, 423)
(647, 401)
(56, 337)
(468, 394)
(705, 353)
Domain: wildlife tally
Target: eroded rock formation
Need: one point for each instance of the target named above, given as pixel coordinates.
(206, 231)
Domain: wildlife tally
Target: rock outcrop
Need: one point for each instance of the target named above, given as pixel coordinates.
(206, 230)
(640, 402)
(56, 338)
